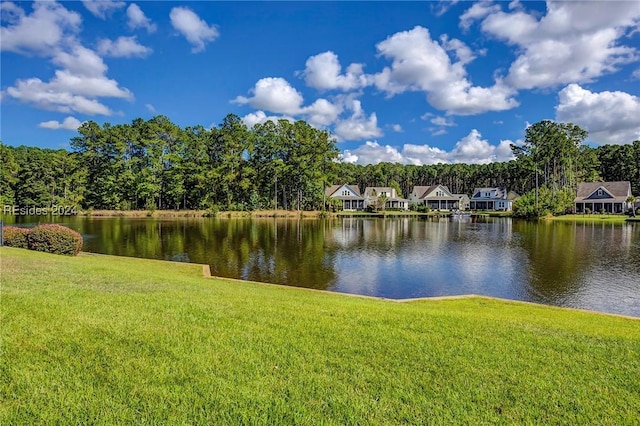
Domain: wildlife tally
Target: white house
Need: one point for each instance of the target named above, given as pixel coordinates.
(372, 193)
(348, 194)
(438, 197)
(497, 199)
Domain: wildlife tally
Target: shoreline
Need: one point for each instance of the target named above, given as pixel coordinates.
(152, 339)
(305, 214)
(206, 273)
(288, 214)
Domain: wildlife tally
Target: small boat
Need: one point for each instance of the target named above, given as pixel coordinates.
(460, 215)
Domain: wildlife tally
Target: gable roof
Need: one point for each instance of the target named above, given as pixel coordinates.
(393, 196)
(447, 194)
(618, 190)
(512, 195)
(334, 188)
(330, 190)
(497, 193)
(421, 190)
(369, 190)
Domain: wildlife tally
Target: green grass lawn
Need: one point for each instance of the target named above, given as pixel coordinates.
(109, 340)
(617, 218)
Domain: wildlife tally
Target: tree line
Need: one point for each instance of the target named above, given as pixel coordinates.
(156, 164)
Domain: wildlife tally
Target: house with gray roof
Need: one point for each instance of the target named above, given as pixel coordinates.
(497, 199)
(438, 197)
(349, 195)
(606, 197)
(393, 202)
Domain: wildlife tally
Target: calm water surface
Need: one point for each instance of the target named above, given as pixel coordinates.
(589, 266)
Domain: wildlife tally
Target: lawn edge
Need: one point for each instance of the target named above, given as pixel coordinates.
(206, 273)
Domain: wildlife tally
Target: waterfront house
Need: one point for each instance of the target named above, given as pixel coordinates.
(606, 197)
(497, 199)
(349, 195)
(373, 193)
(437, 197)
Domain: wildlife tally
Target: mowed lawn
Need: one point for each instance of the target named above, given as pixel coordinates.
(110, 340)
(609, 218)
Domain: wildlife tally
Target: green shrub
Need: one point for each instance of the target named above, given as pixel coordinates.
(55, 239)
(15, 237)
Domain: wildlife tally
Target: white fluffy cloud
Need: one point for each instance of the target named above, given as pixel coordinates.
(260, 117)
(573, 42)
(372, 153)
(443, 6)
(463, 53)
(103, 8)
(276, 95)
(41, 31)
(323, 72)
(471, 149)
(477, 11)
(195, 30)
(609, 117)
(322, 112)
(123, 47)
(67, 93)
(50, 31)
(273, 94)
(79, 60)
(75, 88)
(137, 19)
(443, 121)
(358, 126)
(69, 123)
(420, 63)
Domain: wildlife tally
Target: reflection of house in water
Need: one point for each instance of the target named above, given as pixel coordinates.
(360, 232)
(348, 232)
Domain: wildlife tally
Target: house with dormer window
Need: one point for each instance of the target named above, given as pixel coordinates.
(605, 197)
(372, 195)
(497, 199)
(349, 195)
(438, 197)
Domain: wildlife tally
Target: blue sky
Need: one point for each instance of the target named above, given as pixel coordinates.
(409, 82)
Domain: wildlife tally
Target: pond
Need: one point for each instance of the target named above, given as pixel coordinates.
(590, 266)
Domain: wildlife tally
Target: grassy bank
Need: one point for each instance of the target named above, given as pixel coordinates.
(614, 218)
(107, 340)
